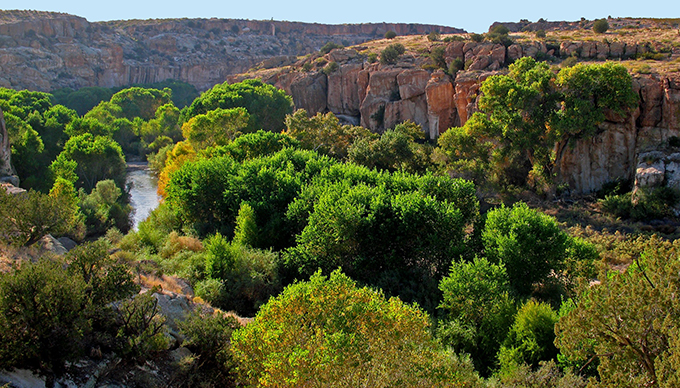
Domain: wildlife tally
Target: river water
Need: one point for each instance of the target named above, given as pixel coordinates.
(143, 196)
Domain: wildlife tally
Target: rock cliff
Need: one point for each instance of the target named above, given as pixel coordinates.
(45, 51)
(380, 96)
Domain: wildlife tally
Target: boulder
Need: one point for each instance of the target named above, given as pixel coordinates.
(382, 88)
(587, 164)
(515, 52)
(440, 107)
(650, 171)
(343, 90)
(414, 109)
(412, 83)
(309, 92)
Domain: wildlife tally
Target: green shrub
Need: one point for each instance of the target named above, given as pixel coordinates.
(307, 67)
(600, 26)
(40, 214)
(530, 339)
(245, 232)
(569, 62)
(391, 53)
(477, 37)
(329, 46)
(331, 67)
(390, 35)
(655, 203)
(219, 257)
(141, 328)
(330, 332)
(41, 324)
(530, 244)
(456, 66)
(372, 57)
(478, 310)
(540, 34)
(500, 29)
(434, 36)
(208, 336)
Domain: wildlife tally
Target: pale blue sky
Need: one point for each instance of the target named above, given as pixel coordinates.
(474, 16)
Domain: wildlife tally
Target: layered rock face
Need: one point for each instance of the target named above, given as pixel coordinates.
(45, 51)
(379, 97)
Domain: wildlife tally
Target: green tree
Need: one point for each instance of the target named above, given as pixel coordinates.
(530, 339)
(104, 208)
(478, 310)
(266, 105)
(329, 332)
(245, 232)
(396, 149)
(528, 111)
(41, 325)
(390, 34)
(530, 244)
(628, 323)
(600, 26)
(390, 54)
(26, 218)
(141, 102)
(323, 133)
(215, 128)
(91, 159)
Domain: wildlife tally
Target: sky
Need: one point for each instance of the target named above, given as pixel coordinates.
(471, 15)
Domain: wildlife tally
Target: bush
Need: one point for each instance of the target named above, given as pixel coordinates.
(391, 53)
(600, 26)
(141, 328)
(569, 62)
(329, 332)
(530, 244)
(26, 218)
(390, 35)
(477, 37)
(530, 339)
(372, 57)
(540, 34)
(478, 310)
(331, 67)
(208, 336)
(434, 36)
(41, 324)
(328, 47)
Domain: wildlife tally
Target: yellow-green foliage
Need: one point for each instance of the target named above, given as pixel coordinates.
(328, 332)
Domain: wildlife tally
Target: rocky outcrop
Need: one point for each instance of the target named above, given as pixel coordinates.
(7, 173)
(45, 51)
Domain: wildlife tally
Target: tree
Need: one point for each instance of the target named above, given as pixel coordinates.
(245, 232)
(266, 105)
(329, 332)
(96, 158)
(26, 218)
(600, 26)
(525, 113)
(478, 310)
(41, 325)
(396, 149)
(141, 102)
(530, 339)
(628, 323)
(323, 133)
(390, 34)
(391, 53)
(215, 128)
(530, 244)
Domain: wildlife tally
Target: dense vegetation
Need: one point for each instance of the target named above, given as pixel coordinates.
(362, 261)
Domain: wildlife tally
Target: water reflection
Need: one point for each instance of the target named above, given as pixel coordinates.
(143, 197)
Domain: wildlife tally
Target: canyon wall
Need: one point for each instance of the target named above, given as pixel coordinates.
(45, 51)
(379, 96)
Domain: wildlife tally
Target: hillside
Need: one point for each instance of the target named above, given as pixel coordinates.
(47, 51)
(436, 84)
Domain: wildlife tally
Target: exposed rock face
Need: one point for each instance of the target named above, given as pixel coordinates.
(47, 50)
(7, 173)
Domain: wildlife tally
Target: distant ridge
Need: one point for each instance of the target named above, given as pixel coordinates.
(49, 50)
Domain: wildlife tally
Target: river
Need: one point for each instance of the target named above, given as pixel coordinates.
(143, 196)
